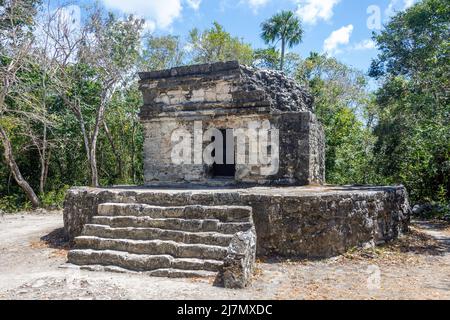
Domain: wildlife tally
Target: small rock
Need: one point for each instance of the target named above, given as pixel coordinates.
(422, 209)
(416, 210)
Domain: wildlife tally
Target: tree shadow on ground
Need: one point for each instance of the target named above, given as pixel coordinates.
(434, 224)
(57, 239)
(417, 242)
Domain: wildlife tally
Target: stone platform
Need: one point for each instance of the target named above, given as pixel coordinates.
(308, 222)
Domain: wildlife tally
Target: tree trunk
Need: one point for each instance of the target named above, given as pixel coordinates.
(107, 94)
(94, 140)
(283, 48)
(93, 164)
(133, 168)
(85, 135)
(79, 115)
(114, 150)
(11, 162)
(43, 161)
(47, 164)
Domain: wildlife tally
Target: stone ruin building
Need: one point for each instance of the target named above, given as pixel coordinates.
(203, 218)
(230, 96)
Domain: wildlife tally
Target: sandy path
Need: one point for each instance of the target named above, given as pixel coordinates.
(417, 267)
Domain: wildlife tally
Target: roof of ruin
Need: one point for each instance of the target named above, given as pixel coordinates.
(251, 86)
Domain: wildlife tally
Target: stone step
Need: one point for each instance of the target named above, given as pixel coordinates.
(221, 213)
(153, 247)
(140, 262)
(184, 241)
(168, 273)
(177, 273)
(210, 238)
(188, 225)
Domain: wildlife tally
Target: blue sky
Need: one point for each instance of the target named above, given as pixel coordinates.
(337, 27)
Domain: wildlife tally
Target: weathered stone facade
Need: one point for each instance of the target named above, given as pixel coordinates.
(229, 96)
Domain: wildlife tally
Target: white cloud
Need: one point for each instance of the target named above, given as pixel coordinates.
(149, 26)
(255, 5)
(160, 14)
(367, 44)
(69, 15)
(194, 4)
(398, 5)
(337, 38)
(311, 11)
(408, 3)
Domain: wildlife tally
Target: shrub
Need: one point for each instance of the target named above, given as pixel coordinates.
(54, 199)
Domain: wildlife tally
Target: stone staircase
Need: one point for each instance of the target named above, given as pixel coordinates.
(187, 241)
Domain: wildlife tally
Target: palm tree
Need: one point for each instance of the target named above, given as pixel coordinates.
(284, 26)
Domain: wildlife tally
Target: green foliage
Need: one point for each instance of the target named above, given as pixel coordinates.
(127, 135)
(17, 13)
(270, 58)
(412, 110)
(14, 203)
(162, 53)
(215, 44)
(35, 114)
(341, 101)
(10, 203)
(400, 134)
(115, 44)
(267, 58)
(54, 199)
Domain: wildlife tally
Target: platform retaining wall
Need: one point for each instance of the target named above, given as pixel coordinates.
(291, 222)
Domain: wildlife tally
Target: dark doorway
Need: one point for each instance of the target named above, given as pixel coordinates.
(228, 168)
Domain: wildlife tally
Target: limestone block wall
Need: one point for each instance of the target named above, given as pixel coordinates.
(301, 150)
(316, 147)
(158, 164)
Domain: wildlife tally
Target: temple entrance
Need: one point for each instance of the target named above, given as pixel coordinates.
(228, 168)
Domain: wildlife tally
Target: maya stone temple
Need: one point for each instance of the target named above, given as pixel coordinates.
(234, 164)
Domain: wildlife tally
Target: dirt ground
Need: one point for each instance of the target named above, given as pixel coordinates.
(414, 267)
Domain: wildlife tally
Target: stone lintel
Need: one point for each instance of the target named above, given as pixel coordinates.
(197, 70)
